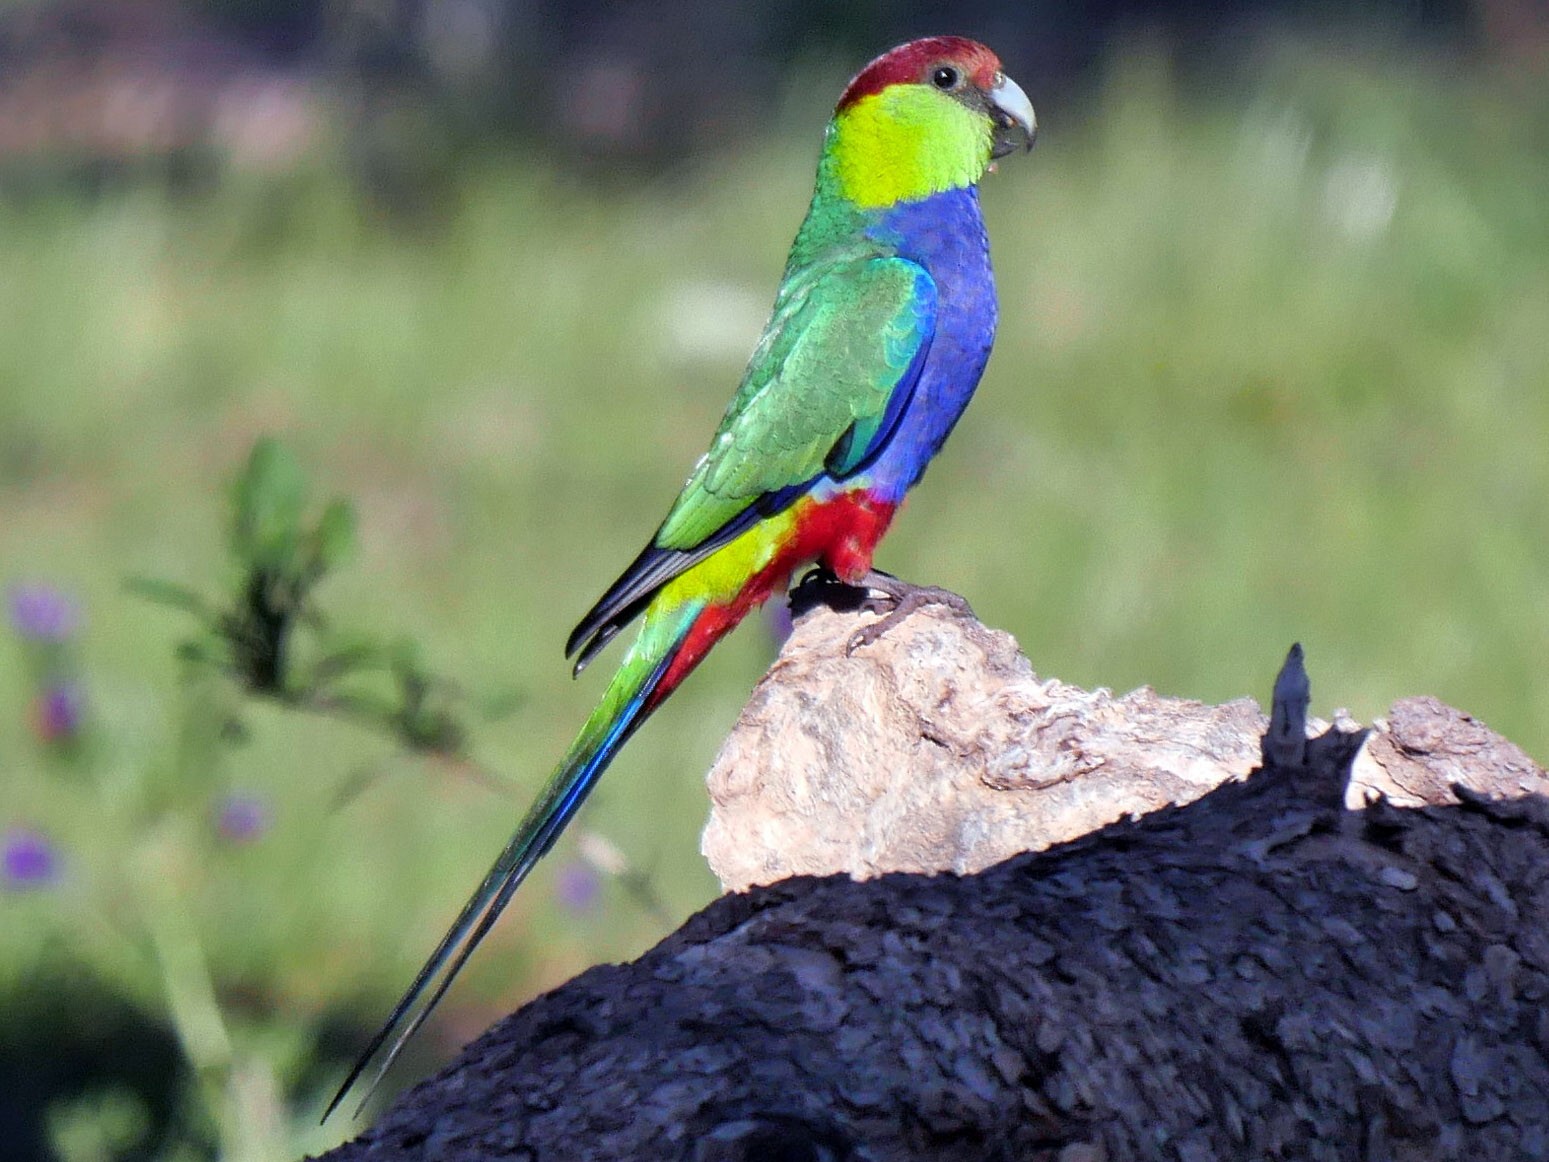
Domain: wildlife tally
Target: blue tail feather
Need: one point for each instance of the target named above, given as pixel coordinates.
(545, 820)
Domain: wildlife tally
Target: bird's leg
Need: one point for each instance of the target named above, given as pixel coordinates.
(896, 600)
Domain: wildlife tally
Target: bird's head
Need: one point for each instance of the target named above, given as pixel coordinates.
(928, 116)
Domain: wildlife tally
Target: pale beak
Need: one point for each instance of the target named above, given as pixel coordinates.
(1015, 123)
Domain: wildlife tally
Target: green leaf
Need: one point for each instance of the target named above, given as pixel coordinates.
(363, 705)
(405, 657)
(199, 653)
(268, 501)
(333, 541)
(345, 659)
(433, 732)
(168, 593)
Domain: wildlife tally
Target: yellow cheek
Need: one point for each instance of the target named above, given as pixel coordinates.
(906, 143)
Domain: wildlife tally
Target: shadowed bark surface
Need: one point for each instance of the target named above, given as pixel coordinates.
(1259, 973)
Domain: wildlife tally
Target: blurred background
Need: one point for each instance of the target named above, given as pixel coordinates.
(1273, 366)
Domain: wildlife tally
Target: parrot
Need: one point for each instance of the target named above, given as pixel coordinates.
(881, 327)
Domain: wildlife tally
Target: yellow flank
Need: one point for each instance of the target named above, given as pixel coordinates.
(906, 143)
(720, 577)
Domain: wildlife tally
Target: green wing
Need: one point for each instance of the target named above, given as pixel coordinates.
(821, 380)
(834, 371)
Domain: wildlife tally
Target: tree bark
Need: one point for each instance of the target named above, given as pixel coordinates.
(1248, 969)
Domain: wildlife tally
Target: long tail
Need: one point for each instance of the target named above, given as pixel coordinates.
(671, 643)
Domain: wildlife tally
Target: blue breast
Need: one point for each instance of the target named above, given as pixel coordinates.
(944, 234)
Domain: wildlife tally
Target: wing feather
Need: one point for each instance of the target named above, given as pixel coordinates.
(823, 392)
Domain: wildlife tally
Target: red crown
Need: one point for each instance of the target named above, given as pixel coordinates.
(912, 63)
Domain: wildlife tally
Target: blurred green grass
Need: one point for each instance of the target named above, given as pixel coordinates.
(1273, 366)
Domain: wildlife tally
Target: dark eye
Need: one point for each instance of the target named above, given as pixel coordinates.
(946, 77)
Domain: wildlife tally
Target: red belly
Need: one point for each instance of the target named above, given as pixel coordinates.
(840, 533)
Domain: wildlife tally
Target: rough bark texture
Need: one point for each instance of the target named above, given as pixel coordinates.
(1260, 973)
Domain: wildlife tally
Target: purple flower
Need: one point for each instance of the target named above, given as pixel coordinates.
(57, 712)
(42, 613)
(577, 886)
(242, 818)
(27, 859)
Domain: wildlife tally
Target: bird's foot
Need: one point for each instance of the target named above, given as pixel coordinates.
(877, 592)
(820, 586)
(896, 600)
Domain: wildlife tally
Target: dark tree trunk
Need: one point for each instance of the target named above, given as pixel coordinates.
(1261, 972)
